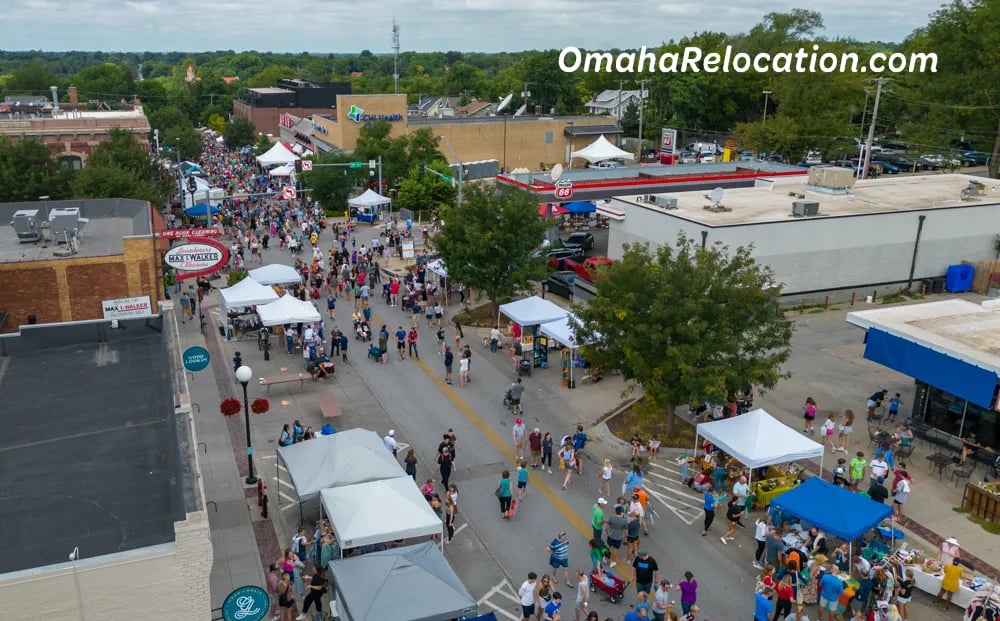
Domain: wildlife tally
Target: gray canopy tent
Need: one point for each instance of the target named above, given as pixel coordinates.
(368, 586)
(345, 458)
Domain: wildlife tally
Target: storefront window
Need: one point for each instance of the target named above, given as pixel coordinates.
(944, 411)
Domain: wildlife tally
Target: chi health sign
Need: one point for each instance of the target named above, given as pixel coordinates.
(124, 308)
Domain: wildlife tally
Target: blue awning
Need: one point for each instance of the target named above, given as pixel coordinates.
(201, 209)
(940, 370)
(578, 207)
(832, 509)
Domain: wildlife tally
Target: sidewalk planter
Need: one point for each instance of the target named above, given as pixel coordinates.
(983, 500)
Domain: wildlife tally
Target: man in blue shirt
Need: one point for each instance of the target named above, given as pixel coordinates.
(830, 588)
(553, 606)
(709, 510)
(763, 607)
(638, 614)
(559, 557)
(401, 342)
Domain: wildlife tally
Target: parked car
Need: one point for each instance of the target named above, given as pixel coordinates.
(579, 240)
(608, 164)
(746, 156)
(588, 267)
(905, 164)
(977, 157)
(555, 257)
(887, 167)
(942, 161)
(687, 157)
(928, 164)
(560, 283)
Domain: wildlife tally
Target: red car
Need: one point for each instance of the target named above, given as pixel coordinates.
(588, 267)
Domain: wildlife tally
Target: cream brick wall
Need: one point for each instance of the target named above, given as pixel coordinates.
(163, 583)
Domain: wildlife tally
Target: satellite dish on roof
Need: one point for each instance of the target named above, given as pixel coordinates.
(556, 172)
(505, 102)
(716, 195)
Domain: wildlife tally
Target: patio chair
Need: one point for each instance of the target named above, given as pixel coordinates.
(963, 472)
(904, 451)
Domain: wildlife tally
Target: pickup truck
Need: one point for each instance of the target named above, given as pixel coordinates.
(588, 268)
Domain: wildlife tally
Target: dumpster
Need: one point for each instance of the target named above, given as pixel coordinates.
(958, 278)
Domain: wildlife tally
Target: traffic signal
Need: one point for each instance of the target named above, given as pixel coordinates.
(298, 166)
(192, 185)
(423, 168)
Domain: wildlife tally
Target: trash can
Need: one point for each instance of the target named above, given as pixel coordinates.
(938, 284)
(958, 278)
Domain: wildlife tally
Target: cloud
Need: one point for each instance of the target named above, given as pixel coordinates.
(322, 26)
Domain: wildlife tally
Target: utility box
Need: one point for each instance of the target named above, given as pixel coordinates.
(666, 202)
(26, 225)
(65, 222)
(802, 209)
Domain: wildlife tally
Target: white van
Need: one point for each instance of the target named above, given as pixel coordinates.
(703, 147)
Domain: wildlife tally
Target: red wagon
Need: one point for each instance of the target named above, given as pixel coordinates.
(608, 583)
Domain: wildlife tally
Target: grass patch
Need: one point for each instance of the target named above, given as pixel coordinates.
(892, 299)
(959, 509)
(813, 311)
(645, 419)
(483, 316)
(992, 528)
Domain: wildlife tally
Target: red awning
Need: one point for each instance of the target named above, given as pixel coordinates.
(556, 210)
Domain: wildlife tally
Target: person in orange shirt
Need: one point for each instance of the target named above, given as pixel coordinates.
(642, 497)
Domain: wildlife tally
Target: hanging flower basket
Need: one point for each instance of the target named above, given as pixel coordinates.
(260, 406)
(229, 407)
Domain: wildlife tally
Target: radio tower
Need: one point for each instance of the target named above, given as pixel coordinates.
(395, 56)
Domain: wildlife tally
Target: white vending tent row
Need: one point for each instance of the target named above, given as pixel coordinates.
(379, 512)
(437, 267)
(278, 154)
(757, 439)
(533, 311)
(345, 458)
(281, 171)
(561, 331)
(288, 310)
(247, 292)
(276, 274)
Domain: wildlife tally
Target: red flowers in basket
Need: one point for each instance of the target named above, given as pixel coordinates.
(230, 406)
(260, 406)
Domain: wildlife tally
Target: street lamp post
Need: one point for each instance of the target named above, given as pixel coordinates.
(243, 375)
(767, 94)
(180, 175)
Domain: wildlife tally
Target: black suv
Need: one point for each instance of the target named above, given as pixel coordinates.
(582, 240)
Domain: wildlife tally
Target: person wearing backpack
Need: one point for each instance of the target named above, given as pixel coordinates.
(579, 442)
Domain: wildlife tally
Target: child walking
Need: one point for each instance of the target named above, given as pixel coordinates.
(828, 427)
(522, 479)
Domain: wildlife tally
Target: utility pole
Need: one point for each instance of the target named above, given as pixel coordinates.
(871, 128)
(767, 94)
(527, 96)
(395, 57)
(642, 108)
(621, 113)
(864, 113)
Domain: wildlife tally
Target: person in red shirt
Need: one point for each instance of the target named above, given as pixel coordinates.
(411, 339)
(786, 592)
(393, 293)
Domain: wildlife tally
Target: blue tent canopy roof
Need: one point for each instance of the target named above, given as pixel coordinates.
(201, 209)
(578, 207)
(832, 509)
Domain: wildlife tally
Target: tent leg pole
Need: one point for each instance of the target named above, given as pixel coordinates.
(821, 458)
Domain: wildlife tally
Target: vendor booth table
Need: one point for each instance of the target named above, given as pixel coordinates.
(530, 313)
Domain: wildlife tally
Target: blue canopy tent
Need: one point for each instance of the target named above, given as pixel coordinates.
(201, 209)
(833, 509)
(580, 207)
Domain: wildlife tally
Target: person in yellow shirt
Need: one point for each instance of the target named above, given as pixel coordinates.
(949, 583)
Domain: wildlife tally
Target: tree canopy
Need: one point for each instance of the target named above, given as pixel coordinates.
(687, 323)
(331, 185)
(27, 172)
(239, 133)
(120, 167)
(487, 242)
(428, 193)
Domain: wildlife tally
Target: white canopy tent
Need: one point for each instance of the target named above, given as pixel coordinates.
(379, 511)
(204, 193)
(344, 458)
(288, 310)
(533, 311)
(278, 154)
(284, 170)
(437, 267)
(247, 292)
(276, 274)
(758, 439)
(370, 198)
(561, 331)
(601, 150)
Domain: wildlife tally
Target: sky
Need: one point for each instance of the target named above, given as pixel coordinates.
(339, 26)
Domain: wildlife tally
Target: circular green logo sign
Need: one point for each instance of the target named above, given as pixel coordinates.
(249, 603)
(195, 358)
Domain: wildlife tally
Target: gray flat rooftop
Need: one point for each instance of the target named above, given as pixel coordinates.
(270, 90)
(108, 221)
(959, 328)
(626, 174)
(774, 204)
(89, 456)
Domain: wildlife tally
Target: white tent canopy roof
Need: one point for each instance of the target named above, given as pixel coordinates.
(247, 292)
(278, 154)
(285, 170)
(379, 511)
(758, 439)
(276, 274)
(561, 331)
(344, 458)
(287, 310)
(369, 199)
(601, 150)
(533, 311)
(437, 266)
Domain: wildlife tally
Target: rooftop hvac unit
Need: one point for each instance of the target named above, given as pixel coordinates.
(802, 209)
(666, 202)
(26, 225)
(832, 177)
(65, 221)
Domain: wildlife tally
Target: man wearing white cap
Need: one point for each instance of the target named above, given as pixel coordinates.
(390, 441)
(597, 520)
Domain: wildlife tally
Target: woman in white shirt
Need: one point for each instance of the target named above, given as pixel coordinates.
(606, 472)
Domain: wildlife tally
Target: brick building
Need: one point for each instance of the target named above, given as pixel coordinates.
(264, 106)
(114, 256)
(71, 133)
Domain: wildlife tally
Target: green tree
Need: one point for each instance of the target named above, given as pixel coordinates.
(687, 323)
(487, 242)
(167, 117)
(217, 123)
(269, 76)
(429, 192)
(111, 182)
(331, 185)
(105, 82)
(32, 79)
(120, 167)
(630, 120)
(27, 172)
(463, 78)
(240, 133)
(190, 142)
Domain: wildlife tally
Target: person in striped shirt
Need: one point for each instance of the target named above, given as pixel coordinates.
(559, 557)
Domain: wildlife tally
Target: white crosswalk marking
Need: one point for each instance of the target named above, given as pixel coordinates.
(501, 599)
(663, 482)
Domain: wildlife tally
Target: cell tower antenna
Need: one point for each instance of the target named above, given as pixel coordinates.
(395, 56)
